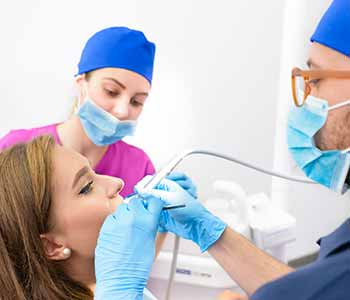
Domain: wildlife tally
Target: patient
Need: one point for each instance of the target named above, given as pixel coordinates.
(52, 206)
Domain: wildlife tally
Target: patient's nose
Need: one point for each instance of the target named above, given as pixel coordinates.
(114, 186)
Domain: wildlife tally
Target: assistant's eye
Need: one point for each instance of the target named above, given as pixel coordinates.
(136, 103)
(111, 93)
(86, 189)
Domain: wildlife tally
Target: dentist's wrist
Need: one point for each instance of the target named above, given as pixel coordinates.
(209, 230)
(162, 229)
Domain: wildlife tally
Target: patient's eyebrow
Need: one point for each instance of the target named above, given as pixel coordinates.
(80, 174)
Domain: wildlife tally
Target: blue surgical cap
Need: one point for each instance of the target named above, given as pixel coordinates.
(118, 47)
(333, 30)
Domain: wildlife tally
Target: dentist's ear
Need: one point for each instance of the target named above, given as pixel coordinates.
(79, 79)
(53, 249)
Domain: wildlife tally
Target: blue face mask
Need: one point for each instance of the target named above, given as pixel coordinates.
(328, 168)
(101, 127)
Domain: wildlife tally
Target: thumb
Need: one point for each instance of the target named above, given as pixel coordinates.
(136, 205)
(155, 205)
(159, 194)
(175, 176)
(141, 184)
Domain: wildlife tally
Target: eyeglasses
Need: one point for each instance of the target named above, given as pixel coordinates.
(302, 82)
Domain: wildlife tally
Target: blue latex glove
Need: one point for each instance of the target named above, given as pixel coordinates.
(181, 179)
(193, 222)
(185, 182)
(125, 249)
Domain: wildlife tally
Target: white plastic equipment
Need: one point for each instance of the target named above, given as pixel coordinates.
(272, 228)
(198, 274)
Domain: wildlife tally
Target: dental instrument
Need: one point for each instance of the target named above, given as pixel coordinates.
(129, 197)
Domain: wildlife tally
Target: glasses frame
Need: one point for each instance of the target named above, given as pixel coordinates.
(314, 74)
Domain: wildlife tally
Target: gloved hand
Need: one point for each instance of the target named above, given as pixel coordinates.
(193, 222)
(184, 181)
(180, 178)
(125, 249)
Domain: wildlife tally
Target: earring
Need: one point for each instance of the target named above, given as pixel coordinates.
(67, 252)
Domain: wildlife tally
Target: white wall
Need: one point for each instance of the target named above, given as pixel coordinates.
(317, 210)
(216, 84)
(215, 75)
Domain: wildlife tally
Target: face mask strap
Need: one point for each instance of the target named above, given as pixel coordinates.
(335, 106)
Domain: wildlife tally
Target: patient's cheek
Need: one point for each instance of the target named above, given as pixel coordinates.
(114, 203)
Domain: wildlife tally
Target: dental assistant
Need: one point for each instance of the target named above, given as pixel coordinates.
(318, 139)
(114, 79)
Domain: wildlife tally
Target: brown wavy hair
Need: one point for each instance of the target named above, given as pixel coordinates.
(25, 201)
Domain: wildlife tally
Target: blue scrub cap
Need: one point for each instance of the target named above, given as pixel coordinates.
(333, 30)
(118, 47)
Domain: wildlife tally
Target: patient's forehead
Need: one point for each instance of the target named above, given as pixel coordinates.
(65, 164)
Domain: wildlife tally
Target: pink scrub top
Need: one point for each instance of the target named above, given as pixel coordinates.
(120, 160)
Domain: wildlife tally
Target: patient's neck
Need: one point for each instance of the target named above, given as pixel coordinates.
(82, 270)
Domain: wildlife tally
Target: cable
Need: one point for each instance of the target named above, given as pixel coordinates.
(252, 166)
(179, 158)
(173, 267)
